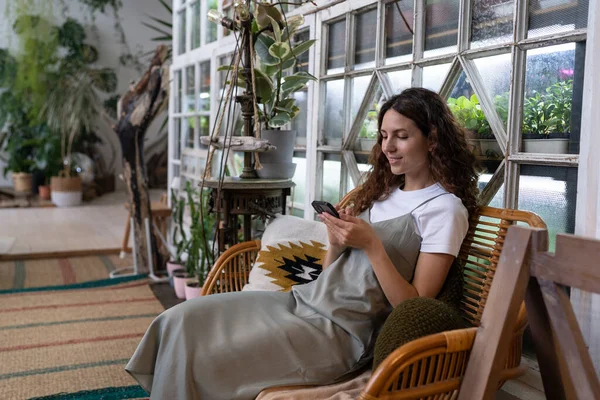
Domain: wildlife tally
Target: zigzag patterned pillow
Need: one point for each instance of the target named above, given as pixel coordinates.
(291, 253)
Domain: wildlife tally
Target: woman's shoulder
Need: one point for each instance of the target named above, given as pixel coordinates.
(445, 203)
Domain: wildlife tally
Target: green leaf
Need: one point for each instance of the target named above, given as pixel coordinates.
(263, 43)
(300, 77)
(276, 29)
(301, 48)
(280, 119)
(279, 50)
(265, 12)
(165, 5)
(285, 93)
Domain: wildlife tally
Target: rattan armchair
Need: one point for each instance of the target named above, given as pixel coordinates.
(433, 365)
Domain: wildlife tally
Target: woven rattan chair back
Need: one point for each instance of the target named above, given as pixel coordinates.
(480, 253)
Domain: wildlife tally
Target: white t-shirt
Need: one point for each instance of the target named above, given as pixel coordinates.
(442, 222)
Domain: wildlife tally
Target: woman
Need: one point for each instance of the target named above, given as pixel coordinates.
(398, 242)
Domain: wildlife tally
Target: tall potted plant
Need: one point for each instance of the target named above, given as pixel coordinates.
(199, 250)
(275, 84)
(179, 239)
(73, 104)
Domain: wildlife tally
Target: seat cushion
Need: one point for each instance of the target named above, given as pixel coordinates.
(292, 252)
(412, 319)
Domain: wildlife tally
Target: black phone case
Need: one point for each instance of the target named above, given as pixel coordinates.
(323, 206)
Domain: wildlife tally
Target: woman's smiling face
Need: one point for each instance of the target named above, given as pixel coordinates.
(404, 145)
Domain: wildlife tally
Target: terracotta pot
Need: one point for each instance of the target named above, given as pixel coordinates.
(192, 289)
(179, 280)
(22, 182)
(44, 192)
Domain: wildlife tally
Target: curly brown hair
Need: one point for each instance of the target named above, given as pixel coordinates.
(451, 162)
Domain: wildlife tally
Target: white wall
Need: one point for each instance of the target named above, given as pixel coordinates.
(109, 47)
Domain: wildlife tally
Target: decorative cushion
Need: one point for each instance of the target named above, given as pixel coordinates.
(292, 252)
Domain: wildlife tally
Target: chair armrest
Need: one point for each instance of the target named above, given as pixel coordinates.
(425, 367)
(231, 270)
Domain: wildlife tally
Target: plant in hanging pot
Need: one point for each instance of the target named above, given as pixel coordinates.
(275, 84)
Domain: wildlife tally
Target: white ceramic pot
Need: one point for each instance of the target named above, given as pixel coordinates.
(179, 280)
(192, 292)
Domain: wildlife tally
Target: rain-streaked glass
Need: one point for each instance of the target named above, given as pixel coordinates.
(550, 192)
(336, 47)
(441, 27)
(364, 49)
(178, 91)
(332, 169)
(333, 118)
(204, 94)
(400, 80)
(434, 75)
(299, 177)
(359, 88)
(549, 96)
(196, 24)
(182, 21)
(548, 17)
(211, 27)
(495, 72)
(190, 88)
(399, 19)
(176, 138)
(492, 22)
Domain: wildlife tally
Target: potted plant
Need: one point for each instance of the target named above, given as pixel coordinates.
(275, 84)
(47, 159)
(547, 119)
(20, 146)
(367, 136)
(199, 250)
(469, 114)
(73, 104)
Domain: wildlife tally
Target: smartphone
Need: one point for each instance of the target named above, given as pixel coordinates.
(323, 206)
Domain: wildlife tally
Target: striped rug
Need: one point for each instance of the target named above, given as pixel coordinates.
(22, 274)
(74, 340)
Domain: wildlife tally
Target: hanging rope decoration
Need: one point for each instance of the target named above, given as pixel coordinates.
(257, 164)
(211, 152)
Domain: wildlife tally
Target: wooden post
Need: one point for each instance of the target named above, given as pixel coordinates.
(137, 109)
(499, 318)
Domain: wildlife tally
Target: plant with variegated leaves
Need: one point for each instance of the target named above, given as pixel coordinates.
(276, 55)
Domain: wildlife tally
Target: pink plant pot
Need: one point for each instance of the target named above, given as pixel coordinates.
(172, 266)
(192, 292)
(179, 280)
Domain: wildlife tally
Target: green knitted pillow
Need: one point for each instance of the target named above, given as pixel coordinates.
(412, 319)
(421, 316)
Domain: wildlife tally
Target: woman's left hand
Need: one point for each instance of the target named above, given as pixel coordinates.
(350, 231)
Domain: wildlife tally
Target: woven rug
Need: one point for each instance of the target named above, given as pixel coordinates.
(75, 342)
(58, 271)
